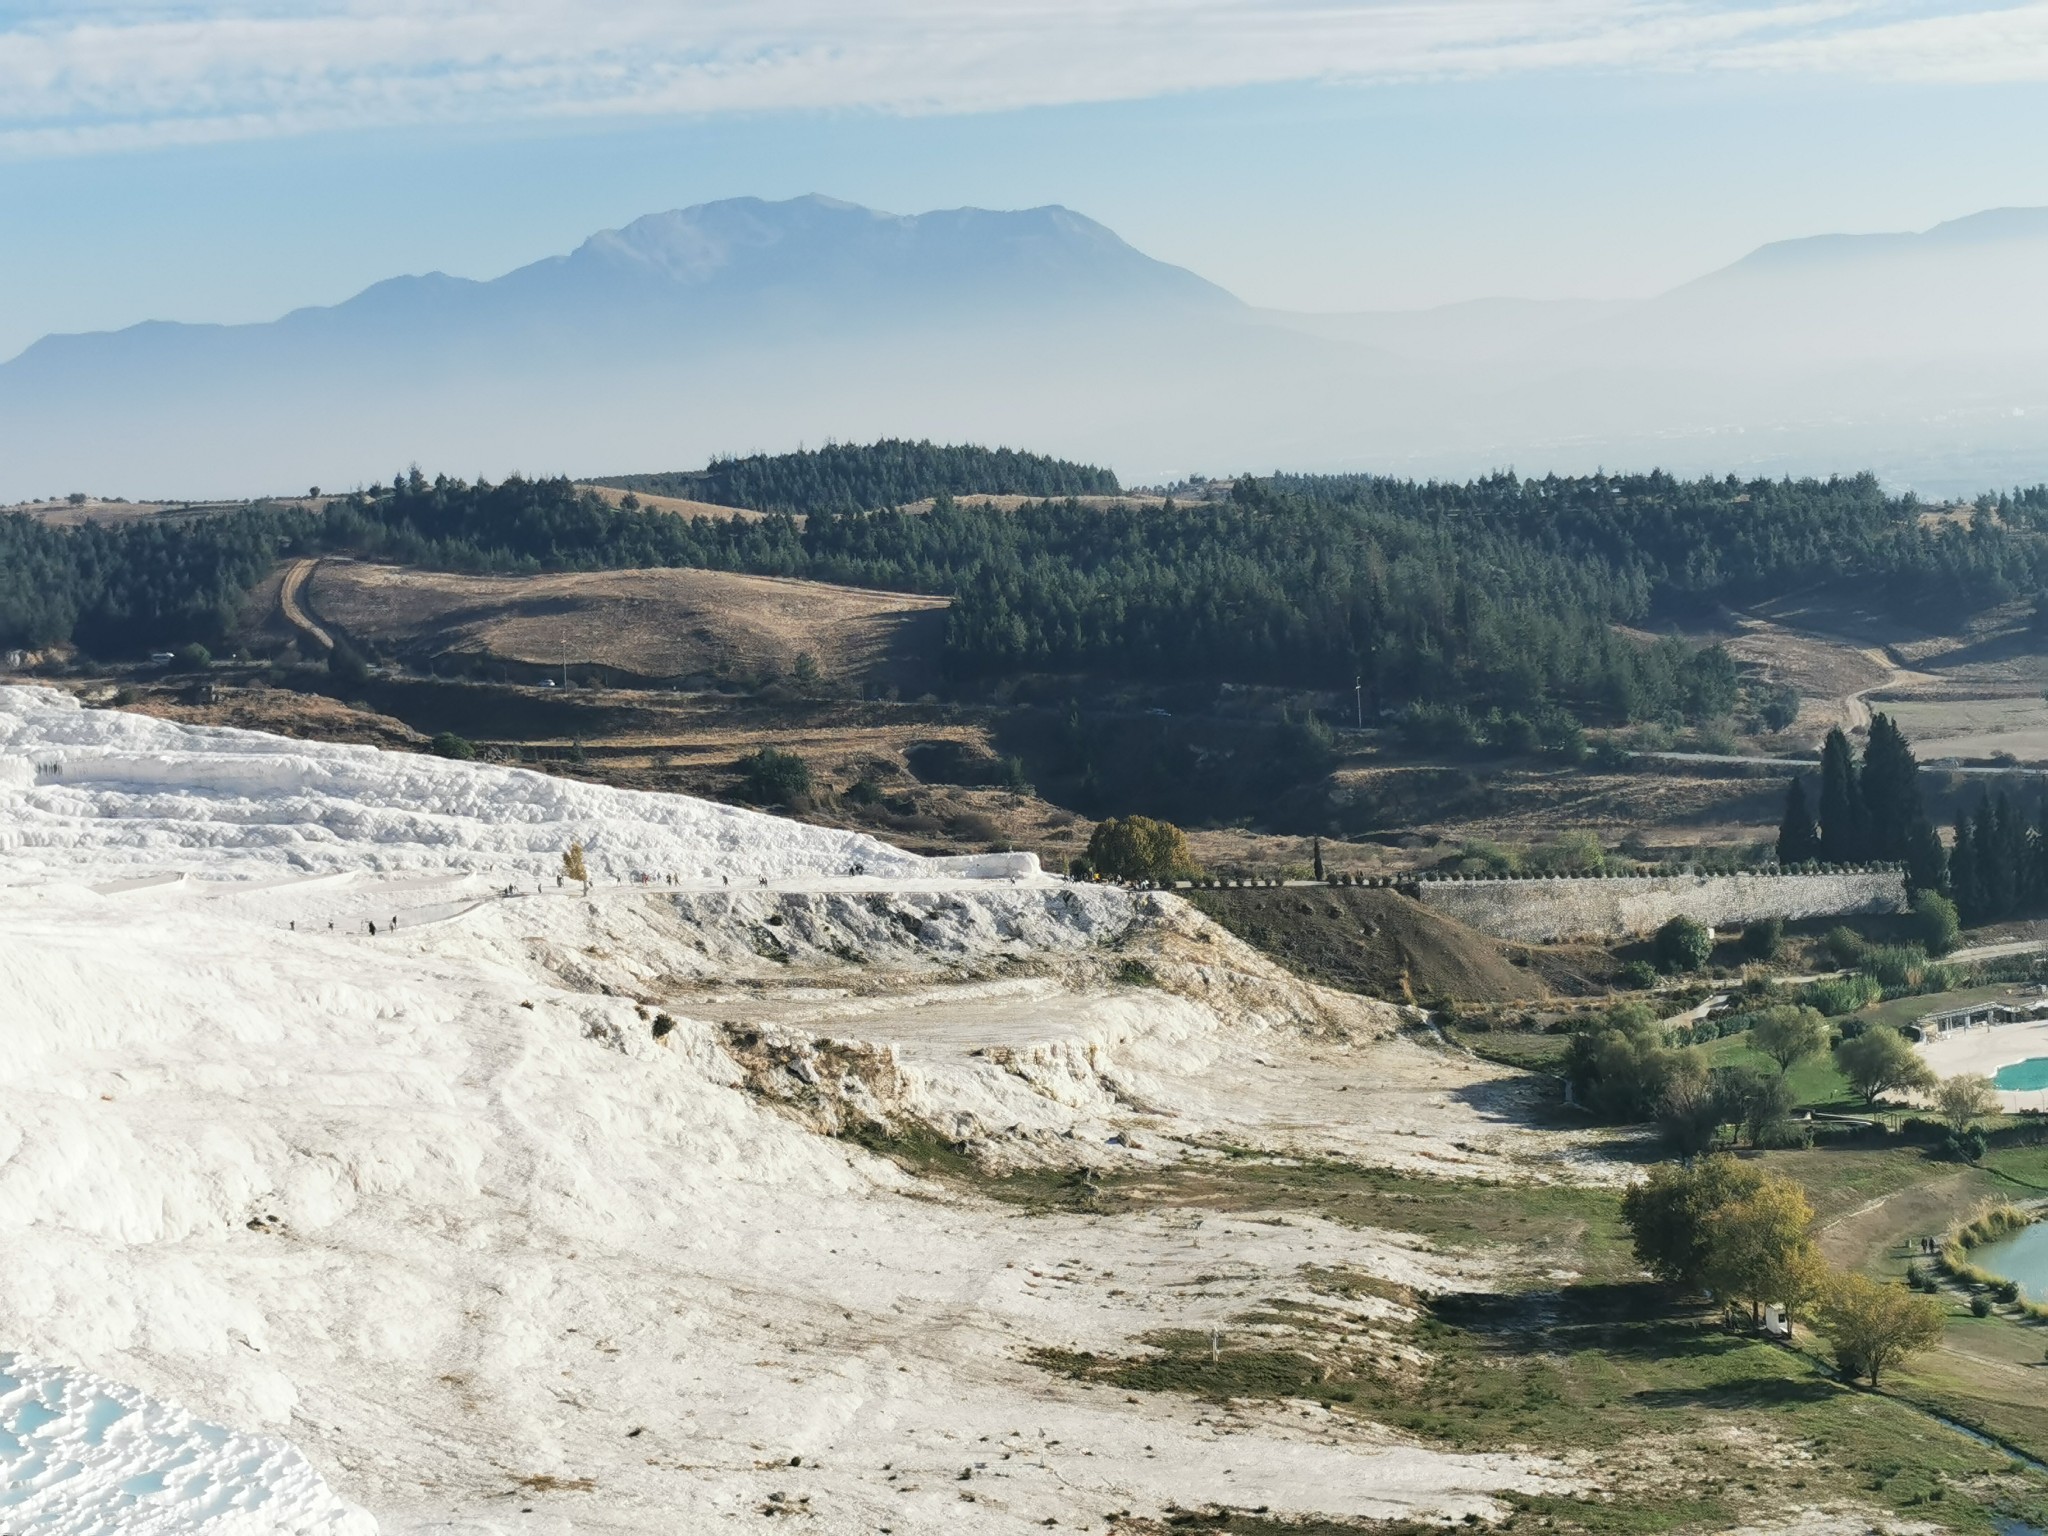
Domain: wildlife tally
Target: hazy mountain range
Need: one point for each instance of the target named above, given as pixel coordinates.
(744, 325)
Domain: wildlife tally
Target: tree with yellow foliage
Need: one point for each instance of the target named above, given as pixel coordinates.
(1759, 1247)
(1139, 848)
(1873, 1325)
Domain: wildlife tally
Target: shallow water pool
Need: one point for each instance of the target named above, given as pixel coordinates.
(2023, 1076)
(2023, 1257)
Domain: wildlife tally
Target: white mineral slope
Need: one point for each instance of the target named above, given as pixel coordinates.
(105, 794)
(442, 1210)
(81, 1456)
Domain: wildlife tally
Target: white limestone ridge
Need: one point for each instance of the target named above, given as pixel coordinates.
(103, 791)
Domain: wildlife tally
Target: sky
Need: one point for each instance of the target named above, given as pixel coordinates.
(199, 160)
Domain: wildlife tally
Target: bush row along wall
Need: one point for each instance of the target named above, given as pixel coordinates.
(1549, 911)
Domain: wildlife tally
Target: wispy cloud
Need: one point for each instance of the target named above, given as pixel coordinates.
(94, 75)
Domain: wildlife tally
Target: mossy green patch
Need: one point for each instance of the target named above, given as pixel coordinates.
(1680, 1422)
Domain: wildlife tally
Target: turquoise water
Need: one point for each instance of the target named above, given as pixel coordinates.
(2023, 1075)
(2022, 1257)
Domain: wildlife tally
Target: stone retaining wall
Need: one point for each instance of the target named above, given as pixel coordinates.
(1549, 911)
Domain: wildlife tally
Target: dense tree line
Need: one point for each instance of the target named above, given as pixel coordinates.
(1870, 812)
(1998, 866)
(855, 478)
(1496, 598)
(133, 586)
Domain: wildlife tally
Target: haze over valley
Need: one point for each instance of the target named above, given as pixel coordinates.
(740, 325)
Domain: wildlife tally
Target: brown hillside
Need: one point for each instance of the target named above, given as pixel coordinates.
(654, 625)
(1370, 941)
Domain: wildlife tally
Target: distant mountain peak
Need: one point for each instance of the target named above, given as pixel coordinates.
(1992, 226)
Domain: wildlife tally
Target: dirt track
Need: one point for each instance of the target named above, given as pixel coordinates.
(295, 578)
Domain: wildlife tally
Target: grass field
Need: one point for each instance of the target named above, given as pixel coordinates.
(1684, 1423)
(1815, 1082)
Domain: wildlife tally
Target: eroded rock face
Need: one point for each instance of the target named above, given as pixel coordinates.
(1551, 911)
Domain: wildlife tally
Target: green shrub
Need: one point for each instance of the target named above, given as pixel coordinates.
(1683, 944)
(1139, 848)
(448, 744)
(1639, 974)
(774, 777)
(194, 657)
(1896, 966)
(1980, 1305)
(1844, 946)
(1761, 940)
(1935, 922)
(1837, 995)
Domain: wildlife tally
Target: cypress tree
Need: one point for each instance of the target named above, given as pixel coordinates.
(1964, 884)
(1926, 863)
(1798, 839)
(1890, 788)
(1841, 810)
(1994, 861)
(2015, 853)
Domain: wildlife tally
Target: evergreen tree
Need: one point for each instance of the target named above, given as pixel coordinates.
(1890, 786)
(1964, 882)
(1798, 838)
(1841, 808)
(1997, 872)
(1926, 864)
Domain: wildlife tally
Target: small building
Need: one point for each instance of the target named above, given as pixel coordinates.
(1933, 1026)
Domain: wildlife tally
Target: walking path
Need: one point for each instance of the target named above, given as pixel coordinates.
(294, 583)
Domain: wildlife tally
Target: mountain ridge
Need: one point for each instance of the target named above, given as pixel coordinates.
(744, 324)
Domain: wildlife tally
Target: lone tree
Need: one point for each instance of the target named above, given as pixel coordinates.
(1963, 1101)
(1683, 944)
(1873, 1326)
(1789, 1033)
(572, 864)
(1879, 1061)
(1760, 1247)
(1744, 1233)
(1667, 1214)
(1139, 848)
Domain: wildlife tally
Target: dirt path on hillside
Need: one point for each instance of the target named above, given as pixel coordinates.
(288, 604)
(1917, 1210)
(1855, 706)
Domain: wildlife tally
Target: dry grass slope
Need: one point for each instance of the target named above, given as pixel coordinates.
(649, 624)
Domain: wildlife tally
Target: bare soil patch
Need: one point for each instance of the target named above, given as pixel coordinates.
(1372, 941)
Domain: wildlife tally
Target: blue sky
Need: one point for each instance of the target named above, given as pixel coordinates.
(195, 160)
